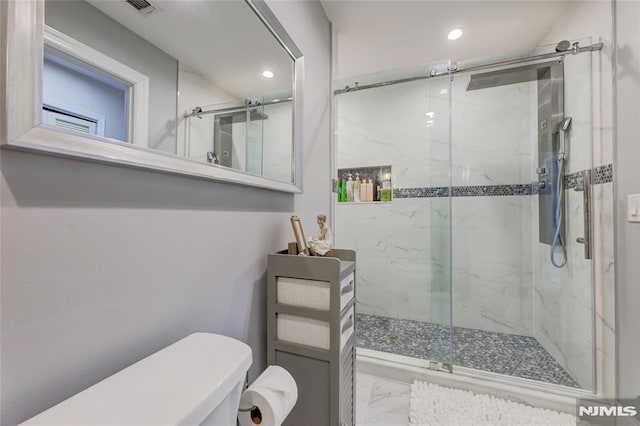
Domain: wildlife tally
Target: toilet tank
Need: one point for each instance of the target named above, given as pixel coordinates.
(197, 380)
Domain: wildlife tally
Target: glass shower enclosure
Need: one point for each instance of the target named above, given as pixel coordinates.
(479, 261)
(404, 242)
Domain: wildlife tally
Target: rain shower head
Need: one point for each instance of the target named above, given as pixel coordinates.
(503, 77)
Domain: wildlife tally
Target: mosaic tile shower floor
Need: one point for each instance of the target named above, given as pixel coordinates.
(510, 354)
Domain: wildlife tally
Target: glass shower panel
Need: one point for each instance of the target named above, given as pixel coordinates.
(397, 136)
(564, 297)
(516, 162)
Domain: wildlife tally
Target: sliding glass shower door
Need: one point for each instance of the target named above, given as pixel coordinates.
(521, 161)
(395, 137)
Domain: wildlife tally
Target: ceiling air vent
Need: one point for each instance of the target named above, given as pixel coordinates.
(144, 7)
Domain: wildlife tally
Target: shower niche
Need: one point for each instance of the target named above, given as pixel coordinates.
(370, 184)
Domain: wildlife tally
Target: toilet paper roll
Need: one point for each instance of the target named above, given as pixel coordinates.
(274, 393)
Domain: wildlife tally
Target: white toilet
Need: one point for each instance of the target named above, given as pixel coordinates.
(196, 381)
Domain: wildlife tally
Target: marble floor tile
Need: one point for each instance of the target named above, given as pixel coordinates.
(520, 356)
(364, 384)
(386, 402)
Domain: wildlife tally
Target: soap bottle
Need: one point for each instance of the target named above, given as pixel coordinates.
(349, 189)
(367, 189)
(338, 189)
(385, 192)
(370, 190)
(364, 190)
(342, 190)
(376, 190)
(356, 189)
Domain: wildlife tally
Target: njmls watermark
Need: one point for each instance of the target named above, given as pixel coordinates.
(605, 412)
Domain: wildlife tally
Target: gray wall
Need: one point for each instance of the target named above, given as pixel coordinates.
(627, 181)
(102, 266)
(85, 23)
(301, 19)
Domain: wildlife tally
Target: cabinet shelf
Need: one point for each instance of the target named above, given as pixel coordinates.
(317, 346)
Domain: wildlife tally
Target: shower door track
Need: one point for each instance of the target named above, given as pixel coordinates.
(406, 370)
(453, 68)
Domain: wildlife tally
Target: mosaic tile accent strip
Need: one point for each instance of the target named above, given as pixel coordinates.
(464, 191)
(520, 356)
(572, 180)
(491, 190)
(437, 191)
(601, 174)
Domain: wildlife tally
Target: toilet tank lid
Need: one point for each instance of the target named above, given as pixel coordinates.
(178, 385)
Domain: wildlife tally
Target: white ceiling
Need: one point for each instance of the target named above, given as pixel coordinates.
(221, 40)
(380, 35)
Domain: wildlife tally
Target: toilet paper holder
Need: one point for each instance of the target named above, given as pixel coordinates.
(269, 399)
(254, 412)
(244, 410)
(246, 385)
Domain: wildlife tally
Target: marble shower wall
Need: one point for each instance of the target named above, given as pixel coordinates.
(390, 125)
(491, 237)
(403, 247)
(563, 298)
(591, 22)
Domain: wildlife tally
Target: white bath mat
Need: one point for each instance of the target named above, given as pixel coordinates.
(433, 405)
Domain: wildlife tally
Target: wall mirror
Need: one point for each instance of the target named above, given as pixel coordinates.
(205, 88)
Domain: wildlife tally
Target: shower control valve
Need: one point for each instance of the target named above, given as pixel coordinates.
(542, 171)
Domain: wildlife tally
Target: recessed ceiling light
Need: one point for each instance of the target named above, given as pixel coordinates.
(455, 34)
(267, 74)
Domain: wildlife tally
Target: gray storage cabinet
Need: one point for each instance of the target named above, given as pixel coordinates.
(310, 333)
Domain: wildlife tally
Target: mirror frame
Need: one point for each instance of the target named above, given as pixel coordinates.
(21, 127)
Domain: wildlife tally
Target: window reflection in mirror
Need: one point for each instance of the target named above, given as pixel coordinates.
(80, 98)
(206, 81)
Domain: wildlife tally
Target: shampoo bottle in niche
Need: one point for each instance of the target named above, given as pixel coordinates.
(370, 190)
(385, 192)
(356, 189)
(364, 193)
(376, 190)
(349, 190)
(364, 190)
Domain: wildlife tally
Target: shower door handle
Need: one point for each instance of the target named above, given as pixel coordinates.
(586, 204)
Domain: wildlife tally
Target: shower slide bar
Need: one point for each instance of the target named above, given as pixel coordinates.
(574, 49)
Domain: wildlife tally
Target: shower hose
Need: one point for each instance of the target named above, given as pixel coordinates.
(557, 237)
